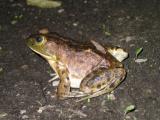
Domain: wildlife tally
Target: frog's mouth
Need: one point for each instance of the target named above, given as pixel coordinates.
(39, 49)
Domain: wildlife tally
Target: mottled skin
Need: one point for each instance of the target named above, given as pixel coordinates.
(89, 67)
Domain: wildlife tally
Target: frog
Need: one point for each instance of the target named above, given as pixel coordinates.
(85, 69)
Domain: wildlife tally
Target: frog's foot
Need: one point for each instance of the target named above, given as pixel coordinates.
(96, 94)
(76, 93)
(118, 53)
(54, 79)
(73, 94)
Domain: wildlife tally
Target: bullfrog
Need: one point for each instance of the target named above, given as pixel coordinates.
(84, 69)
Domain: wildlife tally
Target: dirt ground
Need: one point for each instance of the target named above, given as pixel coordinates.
(131, 24)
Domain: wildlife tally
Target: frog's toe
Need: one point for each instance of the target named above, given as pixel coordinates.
(55, 78)
(76, 94)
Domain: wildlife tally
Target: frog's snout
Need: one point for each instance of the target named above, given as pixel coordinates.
(29, 42)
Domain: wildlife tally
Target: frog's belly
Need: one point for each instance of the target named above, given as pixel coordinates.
(75, 81)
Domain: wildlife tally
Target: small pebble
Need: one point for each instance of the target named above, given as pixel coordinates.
(111, 97)
(60, 10)
(129, 38)
(84, 107)
(22, 111)
(13, 22)
(1, 69)
(24, 67)
(75, 24)
(3, 114)
(25, 117)
(141, 60)
(85, 1)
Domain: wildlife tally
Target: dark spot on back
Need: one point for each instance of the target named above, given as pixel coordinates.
(103, 83)
(63, 72)
(112, 85)
(67, 78)
(99, 86)
(108, 79)
(66, 86)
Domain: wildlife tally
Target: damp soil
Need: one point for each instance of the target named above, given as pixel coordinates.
(25, 92)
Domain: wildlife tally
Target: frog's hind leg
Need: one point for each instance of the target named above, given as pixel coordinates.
(102, 81)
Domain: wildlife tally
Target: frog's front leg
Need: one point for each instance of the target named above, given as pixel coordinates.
(102, 79)
(63, 89)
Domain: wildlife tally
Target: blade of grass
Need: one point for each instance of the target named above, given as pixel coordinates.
(138, 51)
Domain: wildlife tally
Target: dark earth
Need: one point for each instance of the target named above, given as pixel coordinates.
(25, 92)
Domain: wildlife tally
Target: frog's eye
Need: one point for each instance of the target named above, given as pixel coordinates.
(39, 39)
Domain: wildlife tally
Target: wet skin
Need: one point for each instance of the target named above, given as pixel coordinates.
(91, 68)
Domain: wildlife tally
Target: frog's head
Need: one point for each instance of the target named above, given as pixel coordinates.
(37, 44)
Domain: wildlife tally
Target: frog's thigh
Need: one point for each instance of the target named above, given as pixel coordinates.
(102, 78)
